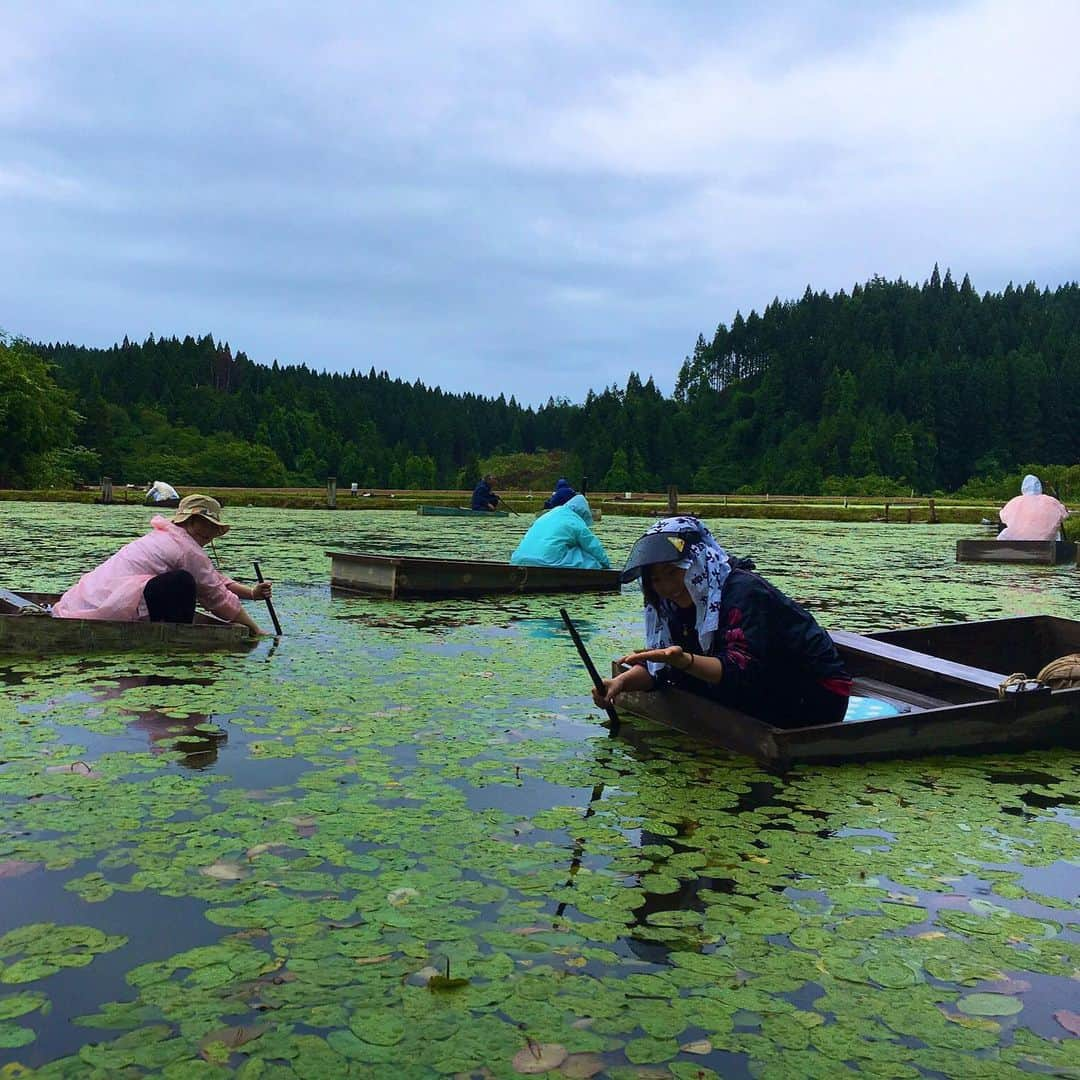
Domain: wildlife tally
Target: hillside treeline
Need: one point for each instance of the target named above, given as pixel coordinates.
(931, 384)
(892, 386)
(193, 412)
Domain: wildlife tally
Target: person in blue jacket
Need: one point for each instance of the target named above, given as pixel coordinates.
(483, 498)
(562, 537)
(563, 493)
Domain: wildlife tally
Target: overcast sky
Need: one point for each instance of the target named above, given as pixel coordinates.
(533, 197)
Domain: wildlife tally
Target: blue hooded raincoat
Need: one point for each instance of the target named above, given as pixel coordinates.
(563, 493)
(562, 537)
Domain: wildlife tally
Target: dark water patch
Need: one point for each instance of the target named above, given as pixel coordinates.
(156, 927)
(1046, 802)
(1060, 880)
(229, 754)
(1022, 778)
(522, 795)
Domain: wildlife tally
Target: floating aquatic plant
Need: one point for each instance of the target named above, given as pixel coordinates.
(388, 787)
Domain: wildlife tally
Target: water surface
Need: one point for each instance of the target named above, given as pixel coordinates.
(279, 847)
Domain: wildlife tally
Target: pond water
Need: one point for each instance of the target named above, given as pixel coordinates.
(256, 862)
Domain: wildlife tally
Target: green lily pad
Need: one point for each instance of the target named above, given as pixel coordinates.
(989, 1005)
(12, 1005)
(645, 1051)
(12, 1036)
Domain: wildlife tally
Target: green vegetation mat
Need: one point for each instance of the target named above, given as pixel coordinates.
(399, 843)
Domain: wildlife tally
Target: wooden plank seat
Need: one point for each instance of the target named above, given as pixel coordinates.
(908, 659)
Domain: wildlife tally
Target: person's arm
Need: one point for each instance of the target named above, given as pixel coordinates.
(634, 678)
(259, 591)
(743, 639)
(244, 619)
(708, 669)
(588, 542)
(217, 593)
(739, 646)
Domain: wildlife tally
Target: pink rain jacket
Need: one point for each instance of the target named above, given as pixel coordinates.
(114, 590)
(1032, 517)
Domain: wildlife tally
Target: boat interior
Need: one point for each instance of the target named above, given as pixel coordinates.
(22, 603)
(953, 664)
(28, 603)
(1025, 643)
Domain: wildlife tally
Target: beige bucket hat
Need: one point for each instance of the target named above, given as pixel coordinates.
(200, 506)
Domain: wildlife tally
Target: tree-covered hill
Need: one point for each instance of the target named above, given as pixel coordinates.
(930, 383)
(194, 412)
(924, 386)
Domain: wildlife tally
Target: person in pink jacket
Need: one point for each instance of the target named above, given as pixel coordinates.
(160, 576)
(1032, 515)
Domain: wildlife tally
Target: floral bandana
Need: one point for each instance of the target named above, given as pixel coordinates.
(707, 568)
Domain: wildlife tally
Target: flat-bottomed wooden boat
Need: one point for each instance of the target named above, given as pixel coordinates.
(25, 627)
(401, 576)
(459, 511)
(1045, 552)
(946, 704)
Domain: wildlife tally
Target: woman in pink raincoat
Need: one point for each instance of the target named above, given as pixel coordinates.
(1032, 515)
(160, 576)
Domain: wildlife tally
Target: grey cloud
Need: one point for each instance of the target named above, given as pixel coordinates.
(467, 195)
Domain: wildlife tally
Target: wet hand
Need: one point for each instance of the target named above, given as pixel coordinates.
(261, 590)
(605, 700)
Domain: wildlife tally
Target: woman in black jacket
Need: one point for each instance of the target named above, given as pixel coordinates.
(719, 630)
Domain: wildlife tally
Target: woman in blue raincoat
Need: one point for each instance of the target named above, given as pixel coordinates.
(563, 537)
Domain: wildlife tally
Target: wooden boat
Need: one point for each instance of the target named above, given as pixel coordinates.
(946, 704)
(401, 576)
(459, 511)
(26, 628)
(1046, 552)
(163, 504)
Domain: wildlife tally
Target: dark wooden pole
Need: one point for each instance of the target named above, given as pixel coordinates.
(590, 667)
(269, 604)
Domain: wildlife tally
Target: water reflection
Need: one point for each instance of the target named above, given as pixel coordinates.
(194, 736)
(654, 943)
(198, 748)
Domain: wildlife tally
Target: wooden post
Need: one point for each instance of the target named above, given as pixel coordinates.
(106, 490)
(909, 515)
(672, 500)
(932, 520)
(886, 511)
(584, 485)
(331, 492)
